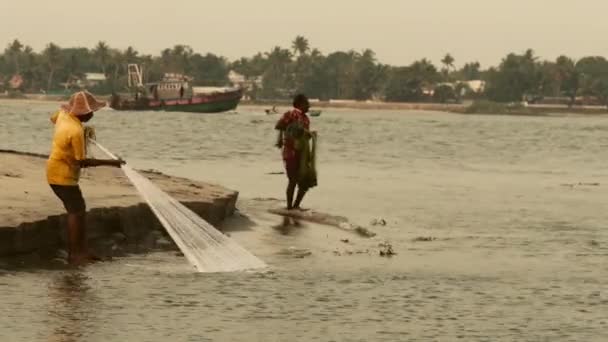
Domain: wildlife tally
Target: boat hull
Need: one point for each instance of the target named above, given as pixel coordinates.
(199, 103)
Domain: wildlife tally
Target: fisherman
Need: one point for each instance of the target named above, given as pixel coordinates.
(294, 136)
(63, 168)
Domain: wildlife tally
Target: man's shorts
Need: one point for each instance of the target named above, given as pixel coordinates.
(71, 197)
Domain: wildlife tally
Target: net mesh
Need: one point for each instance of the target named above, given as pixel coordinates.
(205, 247)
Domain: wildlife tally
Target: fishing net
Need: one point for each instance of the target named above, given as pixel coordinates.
(206, 248)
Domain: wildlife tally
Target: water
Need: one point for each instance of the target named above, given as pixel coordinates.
(517, 206)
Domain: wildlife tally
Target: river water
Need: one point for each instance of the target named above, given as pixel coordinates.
(513, 208)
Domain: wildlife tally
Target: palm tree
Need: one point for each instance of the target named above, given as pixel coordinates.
(102, 55)
(52, 58)
(117, 61)
(14, 50)
(315, 53)
(180, 56)
(278, 74)
(300, 45)
(130, 55)
(448, 62)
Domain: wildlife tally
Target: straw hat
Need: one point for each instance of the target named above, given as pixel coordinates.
(82, 103)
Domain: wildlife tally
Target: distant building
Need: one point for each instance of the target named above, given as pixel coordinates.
(243, 82)
(477, 86)
(91, 79)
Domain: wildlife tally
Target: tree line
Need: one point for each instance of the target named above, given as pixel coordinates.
(357, 75)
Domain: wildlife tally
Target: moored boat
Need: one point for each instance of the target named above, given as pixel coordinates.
(174, 93)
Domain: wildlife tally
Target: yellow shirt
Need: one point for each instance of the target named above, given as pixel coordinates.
(63, 167)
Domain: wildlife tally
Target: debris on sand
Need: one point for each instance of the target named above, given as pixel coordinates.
(572, 185)
(12, 175)
(364, 232)
(294, 252)
(386, 250)
(425, 239)
(350, 252)
(378, 222)
(266, 199)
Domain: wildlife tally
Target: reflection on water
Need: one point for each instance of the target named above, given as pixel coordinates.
(72, 306)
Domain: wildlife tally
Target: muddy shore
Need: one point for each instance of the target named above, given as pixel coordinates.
(32, 219)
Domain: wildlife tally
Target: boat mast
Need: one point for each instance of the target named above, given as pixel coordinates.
(135, 76)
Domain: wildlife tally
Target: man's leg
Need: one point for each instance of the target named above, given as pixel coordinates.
(291, 188)
(299, 197)
(291, 168)
(76, 237)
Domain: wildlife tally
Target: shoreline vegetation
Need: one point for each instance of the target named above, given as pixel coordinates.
(521, 83)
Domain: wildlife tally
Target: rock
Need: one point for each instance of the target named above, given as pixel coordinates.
(345, 240)
(157, 234)
(119, 237)
(149, 241)
(61, 254)
(117, 251)
(386, 250)
(164, 243)
(364, 232)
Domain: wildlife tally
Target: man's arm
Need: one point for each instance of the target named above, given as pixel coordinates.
(89, 162)
(279, 143)
(78, 145)
(281, 126)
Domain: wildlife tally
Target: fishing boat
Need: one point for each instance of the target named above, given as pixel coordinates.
(174, 93)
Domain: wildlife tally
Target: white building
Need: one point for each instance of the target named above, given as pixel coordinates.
(91, 79)
(241, 81)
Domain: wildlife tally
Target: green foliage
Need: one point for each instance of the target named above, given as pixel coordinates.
(412, 83)
(444, 94)
(280, 72)
(516, 77)
(469, 72)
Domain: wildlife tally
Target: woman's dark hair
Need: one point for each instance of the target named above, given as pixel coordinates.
(299, 99)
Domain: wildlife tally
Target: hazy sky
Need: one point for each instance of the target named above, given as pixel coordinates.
(399, 31)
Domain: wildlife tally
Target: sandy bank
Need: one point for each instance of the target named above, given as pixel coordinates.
(32, 219)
